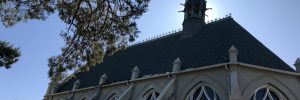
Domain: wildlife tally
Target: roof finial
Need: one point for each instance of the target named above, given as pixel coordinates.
(103, 79)
(176, 65)
(76, 85)
(297, 65)
(135, 72)
(233, 54)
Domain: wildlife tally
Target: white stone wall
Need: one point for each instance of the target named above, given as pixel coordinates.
(251, 79)
(217, 77)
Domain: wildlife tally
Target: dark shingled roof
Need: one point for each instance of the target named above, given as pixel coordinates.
(209, 46)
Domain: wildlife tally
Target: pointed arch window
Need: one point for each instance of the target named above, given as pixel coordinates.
(84, 98)
(151, 95)
(202, 92)
(113, 97)
(267, 92)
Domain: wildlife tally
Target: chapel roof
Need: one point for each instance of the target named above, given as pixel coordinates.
(207, 47)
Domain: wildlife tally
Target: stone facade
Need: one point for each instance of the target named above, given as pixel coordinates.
(229, 81)
(178, 85)
(232, 79)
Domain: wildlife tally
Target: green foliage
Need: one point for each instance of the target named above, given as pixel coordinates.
(13, 11)
(8, 54)
(95, 27)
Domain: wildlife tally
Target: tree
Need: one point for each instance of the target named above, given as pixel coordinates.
(95, 27)
(8, 54)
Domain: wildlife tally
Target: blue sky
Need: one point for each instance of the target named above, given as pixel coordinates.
(273, 22)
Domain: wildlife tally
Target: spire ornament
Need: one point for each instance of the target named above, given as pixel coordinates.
(76, 85)
(177, 65)
(233, 54)
(297, 65)
(195, 8)
(103, 79)
(194, 17)
(135, 72)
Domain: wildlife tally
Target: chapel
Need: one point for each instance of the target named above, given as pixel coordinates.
(215, 60)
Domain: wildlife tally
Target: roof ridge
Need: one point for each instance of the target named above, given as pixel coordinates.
(219, 19)
(157, 37)
(170, 33)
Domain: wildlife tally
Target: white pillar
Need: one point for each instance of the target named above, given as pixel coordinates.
(168, 91)
(103, 79)
(76, 85)
(135, 72)
(233, 54)
(235, 93)
(234, 74)
(97, 93)
(176, 65)
(126, 95)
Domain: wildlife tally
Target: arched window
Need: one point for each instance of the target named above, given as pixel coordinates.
(113, 97)
(84, 98)
(151, 95)
(267, 92)
(202, 92)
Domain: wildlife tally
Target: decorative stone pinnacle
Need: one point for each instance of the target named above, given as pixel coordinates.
(135, 72)
(176, 65)
(136, 69)
(76, 85)
(297, 65)
(297, 62)
(103, 79)
(177, 61)
(233, 49)
(55, 88)
(233, 53)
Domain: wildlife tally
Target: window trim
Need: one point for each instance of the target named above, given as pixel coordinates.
(113, 96)
(269, 88)
(201, 85)
(151, 92)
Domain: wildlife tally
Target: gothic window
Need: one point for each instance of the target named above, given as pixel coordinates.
(84, 98)
(151, 95)
(113, 97)
(202, 92)
(267, 92)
